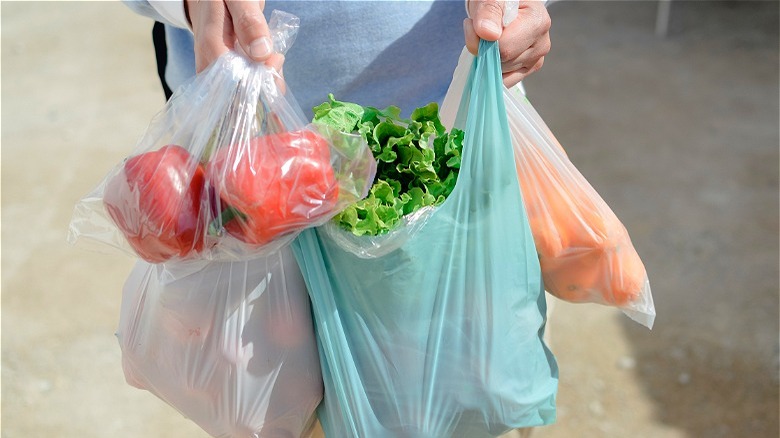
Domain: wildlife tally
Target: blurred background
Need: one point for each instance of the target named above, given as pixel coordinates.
(673, 121)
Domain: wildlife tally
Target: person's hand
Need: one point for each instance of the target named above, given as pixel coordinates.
(523, 43)
(219, 25)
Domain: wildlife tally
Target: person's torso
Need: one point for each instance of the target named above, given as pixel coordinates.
(375, 53)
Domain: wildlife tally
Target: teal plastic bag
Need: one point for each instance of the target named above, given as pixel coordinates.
(441, 336)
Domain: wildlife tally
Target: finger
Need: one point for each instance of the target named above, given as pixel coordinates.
(487, 16)
(276, 62)
(209, 21)
(472, 40)
(527, 58)
(512, 78)
(530, 30)
(250, 28)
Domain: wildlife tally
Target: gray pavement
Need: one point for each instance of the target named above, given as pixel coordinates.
(679, 135)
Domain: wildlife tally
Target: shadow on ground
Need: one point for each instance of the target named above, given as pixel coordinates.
(680, 136)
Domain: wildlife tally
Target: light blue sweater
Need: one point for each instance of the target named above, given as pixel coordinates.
(375, 53)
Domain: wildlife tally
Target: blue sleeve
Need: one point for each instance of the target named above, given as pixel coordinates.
(142, 7)
(168, 12)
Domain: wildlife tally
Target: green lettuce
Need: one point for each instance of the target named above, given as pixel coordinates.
(417, 161)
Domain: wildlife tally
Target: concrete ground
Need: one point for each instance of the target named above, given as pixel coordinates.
(679, 135)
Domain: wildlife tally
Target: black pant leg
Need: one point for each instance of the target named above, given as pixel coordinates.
(161, 54)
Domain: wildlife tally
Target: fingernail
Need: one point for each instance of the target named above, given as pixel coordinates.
(260, 48)
(490, 26)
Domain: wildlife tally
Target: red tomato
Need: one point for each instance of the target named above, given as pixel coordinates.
(155, 201)
(277, 183)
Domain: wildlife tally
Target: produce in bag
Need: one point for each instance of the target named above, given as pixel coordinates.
(417, 162)
(228, 170)
(440, 335)
(275, 184)
(585, 252)
(230, 345)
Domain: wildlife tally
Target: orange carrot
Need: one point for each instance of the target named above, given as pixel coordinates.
(584, 251)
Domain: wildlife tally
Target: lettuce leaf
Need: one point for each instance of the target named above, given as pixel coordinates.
(417, 161)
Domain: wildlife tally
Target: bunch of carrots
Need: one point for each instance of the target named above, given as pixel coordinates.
(584, 250)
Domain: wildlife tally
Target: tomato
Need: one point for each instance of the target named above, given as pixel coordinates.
(274, 184)
(155, 201)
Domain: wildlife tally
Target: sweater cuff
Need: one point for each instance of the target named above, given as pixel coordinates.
(172, 11)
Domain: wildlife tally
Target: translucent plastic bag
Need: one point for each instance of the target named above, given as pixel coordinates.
(442, 335)
(228, 170)
(585, 252)
(230, 345)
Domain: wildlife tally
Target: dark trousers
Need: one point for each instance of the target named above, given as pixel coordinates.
(161, 55)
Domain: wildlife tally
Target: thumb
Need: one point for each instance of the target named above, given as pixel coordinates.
(487, 18)
(251, 28)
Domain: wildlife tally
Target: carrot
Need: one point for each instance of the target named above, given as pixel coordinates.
(572, 277)
(628, 275)
(584, 251)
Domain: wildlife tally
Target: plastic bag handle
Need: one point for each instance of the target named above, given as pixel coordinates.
(284, 29)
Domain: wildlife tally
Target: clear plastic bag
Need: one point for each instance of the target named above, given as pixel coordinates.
(585, 252)
(378, 246)
(230, 345)
(230, 169)
(441, 336)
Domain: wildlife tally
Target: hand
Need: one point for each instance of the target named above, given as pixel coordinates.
(523, 43)
(219, 25)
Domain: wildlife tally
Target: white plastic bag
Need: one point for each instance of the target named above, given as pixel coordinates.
(230, 345)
